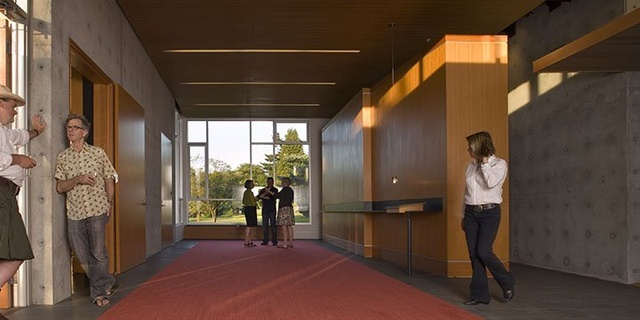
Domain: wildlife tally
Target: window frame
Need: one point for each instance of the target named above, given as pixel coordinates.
(275, 143)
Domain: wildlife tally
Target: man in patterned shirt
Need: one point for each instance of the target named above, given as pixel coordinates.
(86, 175)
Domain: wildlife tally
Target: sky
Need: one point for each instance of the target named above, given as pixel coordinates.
(230, 141)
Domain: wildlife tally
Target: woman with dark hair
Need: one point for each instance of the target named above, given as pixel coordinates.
(249, 206)
(485, 176)
(286, 217)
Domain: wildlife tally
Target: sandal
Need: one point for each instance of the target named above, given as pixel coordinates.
(283, 247)
(101, 301)
(113, 289)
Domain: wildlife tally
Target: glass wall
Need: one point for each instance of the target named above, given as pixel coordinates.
(223, 154)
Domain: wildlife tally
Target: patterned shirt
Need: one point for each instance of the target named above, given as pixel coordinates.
(84, 201)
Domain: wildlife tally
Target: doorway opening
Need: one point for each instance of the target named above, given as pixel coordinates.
(91, 94)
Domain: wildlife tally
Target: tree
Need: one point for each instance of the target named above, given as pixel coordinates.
(222, 182)
(291, 161)
(268, 164)
(197, 184)
(255, 172)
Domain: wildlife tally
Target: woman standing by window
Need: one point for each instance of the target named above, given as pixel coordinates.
(286, 218)
(249, 205)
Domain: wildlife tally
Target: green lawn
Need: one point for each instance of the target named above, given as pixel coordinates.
(238, 219)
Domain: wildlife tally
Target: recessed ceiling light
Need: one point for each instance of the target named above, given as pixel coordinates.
(257, 104)
(283, 83)
(258, 51)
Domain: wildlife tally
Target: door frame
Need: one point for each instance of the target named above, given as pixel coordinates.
(80, 65)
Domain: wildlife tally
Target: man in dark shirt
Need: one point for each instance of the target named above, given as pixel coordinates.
(268, 197)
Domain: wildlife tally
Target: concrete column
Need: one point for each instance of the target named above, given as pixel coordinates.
(50, 280)
(633, 174)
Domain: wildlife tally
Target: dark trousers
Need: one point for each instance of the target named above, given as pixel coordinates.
(269, 226)
(480, 230)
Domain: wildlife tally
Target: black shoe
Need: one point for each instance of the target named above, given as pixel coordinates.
(473, 302)
(508, 295)
(264, 244)
(275, 244)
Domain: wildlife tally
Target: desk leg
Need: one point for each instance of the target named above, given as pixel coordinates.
(409, 251)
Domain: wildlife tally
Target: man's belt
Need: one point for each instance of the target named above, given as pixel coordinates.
(481, 207)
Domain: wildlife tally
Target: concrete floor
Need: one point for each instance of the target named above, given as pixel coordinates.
(540, 293)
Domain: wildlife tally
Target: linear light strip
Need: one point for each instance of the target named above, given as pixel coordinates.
(257, 104)
(295, 83)
(258, 51)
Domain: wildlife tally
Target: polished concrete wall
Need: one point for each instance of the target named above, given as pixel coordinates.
(574, 140)
(101, 30)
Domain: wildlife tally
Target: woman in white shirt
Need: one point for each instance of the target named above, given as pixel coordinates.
(485, 176)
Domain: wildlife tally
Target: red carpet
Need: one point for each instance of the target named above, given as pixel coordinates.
(224, 280)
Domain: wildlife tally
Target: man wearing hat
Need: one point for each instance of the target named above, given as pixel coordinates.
(14, 243)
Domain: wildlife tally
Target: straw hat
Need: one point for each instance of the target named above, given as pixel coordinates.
(5, 93)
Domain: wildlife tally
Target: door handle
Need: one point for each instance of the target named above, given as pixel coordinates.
(143, 203)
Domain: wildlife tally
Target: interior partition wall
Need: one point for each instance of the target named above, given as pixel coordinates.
(413, 133)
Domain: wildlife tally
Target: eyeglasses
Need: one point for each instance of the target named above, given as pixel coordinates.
(73, 128)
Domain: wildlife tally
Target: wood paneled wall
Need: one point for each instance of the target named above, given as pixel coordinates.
(346, 162)
(417, 133)
(476, 98)
(343, 155)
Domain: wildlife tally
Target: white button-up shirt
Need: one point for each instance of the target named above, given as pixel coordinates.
(9, 140)
(484, 181)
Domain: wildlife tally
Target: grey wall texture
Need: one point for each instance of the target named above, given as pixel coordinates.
(102, 31)
(574, 152)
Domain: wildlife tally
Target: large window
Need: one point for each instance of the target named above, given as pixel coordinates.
(223, 154)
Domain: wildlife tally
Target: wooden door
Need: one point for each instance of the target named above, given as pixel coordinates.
(166, 191)
(130, 220)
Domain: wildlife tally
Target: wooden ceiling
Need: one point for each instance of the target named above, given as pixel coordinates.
(362, 25)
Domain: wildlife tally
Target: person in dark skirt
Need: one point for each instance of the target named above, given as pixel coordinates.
(249, 205)
(14, 242)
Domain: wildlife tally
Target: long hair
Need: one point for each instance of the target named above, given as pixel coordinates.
(481, 144)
